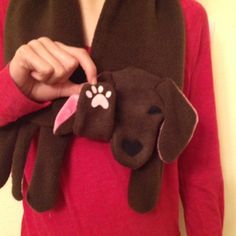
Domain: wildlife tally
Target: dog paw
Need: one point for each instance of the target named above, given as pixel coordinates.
(98, 97)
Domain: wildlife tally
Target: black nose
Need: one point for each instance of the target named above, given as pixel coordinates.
(131, 147)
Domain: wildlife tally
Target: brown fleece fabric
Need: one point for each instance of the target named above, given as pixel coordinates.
(145, 185)
(153, 122)
(95, 123)
(8, 136)
(144, 34)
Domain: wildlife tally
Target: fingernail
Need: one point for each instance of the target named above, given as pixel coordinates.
(94, 80)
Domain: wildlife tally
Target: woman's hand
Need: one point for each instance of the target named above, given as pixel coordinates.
(42, 67)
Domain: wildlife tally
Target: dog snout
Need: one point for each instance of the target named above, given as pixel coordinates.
(131, 147)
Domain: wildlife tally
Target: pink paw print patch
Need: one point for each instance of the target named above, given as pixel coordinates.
(98, 96)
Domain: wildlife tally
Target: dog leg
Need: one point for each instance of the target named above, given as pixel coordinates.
(8, 136)
(44, 185)
(144, 185)
(24, 138)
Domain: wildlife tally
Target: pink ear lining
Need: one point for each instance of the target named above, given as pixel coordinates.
(67, 110)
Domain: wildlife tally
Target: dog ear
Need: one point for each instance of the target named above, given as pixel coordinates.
(65, 118)
(180, 120)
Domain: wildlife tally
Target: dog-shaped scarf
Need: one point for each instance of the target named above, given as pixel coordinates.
(142, 41)
(149, 119)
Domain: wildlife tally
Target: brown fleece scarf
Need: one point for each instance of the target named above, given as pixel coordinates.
(138, 48)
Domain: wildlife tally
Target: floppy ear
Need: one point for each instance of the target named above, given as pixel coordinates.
(65, 118)
(180, 120)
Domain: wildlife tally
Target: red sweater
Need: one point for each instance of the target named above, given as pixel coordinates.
(94, 185)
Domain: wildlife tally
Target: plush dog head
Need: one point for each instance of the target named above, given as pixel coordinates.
(140, 113)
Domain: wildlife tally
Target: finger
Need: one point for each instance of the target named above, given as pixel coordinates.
(84, 59)
(42, 92)
(69, 62)
(67, 89)
(40, 69)
(42, 51)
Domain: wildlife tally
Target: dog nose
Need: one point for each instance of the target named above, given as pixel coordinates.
(131, 147)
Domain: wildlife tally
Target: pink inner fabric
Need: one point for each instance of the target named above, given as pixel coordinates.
(66, 111)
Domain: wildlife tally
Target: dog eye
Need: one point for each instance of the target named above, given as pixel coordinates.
(154, 110)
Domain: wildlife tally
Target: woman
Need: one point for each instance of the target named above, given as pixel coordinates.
(94, 186)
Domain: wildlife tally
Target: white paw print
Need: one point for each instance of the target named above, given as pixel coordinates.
(99, 99)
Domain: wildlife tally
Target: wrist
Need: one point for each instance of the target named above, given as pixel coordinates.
(20, 83)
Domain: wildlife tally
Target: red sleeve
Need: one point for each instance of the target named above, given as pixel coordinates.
(200, 173)
(13, 103)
